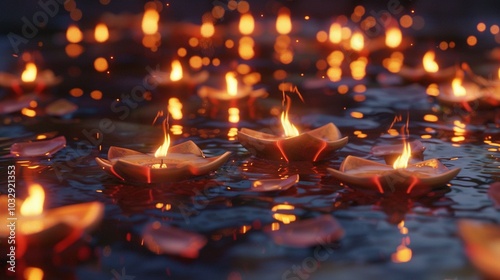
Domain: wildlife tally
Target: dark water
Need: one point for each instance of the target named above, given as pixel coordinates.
(220, 207)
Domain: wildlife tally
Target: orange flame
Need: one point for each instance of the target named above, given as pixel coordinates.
(498, 73)
(163, 149)
(247, 24)
(74, 34)
(283, 22)
(357, 41)
(234, 115)
(458, 89)
(393, 37)
(404, 158)
(29, 73)
(429, 64)
(207, 29)
(335, 33)
(101, 33)
(231, 84)
(175, 108)
(150, 21)
(33, 205)
(288, 127)
(176, 72)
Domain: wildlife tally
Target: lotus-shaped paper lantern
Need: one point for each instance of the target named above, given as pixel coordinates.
(41, 148)
(30, 80)
(233, 91)
(182, 161)
(312, 145)
(48, 227)
(482, 245)
(177, 75)
(414, 180)
(429, 71)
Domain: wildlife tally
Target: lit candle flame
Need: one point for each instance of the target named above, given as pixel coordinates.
(403, 159)
(393, 37)
(498, 73)
(176, 72)
(33, 205)
(207, 29)
(74, 34)
(335, 33)
(283, 22)
(247, 24)
(150, 21)
(231, 84)
(288, 127)
(29, 73)
(357, 41)
(101, 33)
(429, 64)
(163, 149)
(458, 89)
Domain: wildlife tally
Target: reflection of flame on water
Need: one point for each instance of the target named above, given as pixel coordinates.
(232, 133)
(29, 73)
(429, 64)
(33, 206)
(234, 115)
(284, 218)
(404, 158)
(403, 254)
(283, 22)
(231, 84)
(176, 71)
(393, 37)
(175, 108)
(358, 68)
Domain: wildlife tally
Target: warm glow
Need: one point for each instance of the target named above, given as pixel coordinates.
(150, 21)
(432, 90)
(393, 37)
(429, 64)
(163, 149)
(29, 73)
(404, 158)
(33, 273)
(101, 33)
(283, 22)
(358, 68)
(288, 127)
(357, 41)
(335, 33)
(334, 74)
(100, 64)
(284, 218)
(245, 48)
(498, 73)
(73, 34)
(403, 253)
(247, 24)
(176, 71)
(234, 115)
(394, 62)
(28, 112)
(458, 89)
(33, 205)
(175, 108)
(207, 29)
(231, 84)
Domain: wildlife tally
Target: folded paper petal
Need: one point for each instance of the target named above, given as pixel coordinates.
(40, 148)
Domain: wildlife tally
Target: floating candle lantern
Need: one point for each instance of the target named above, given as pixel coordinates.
(31, 80)
(62, 225)
(307, 233)
(178, 75)
(429, 71)
(270, 185)
(233, 90)
(167, 164)
(482, 246)
(415, 179)
(41, 148)
(312, 145)
(459, 93)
